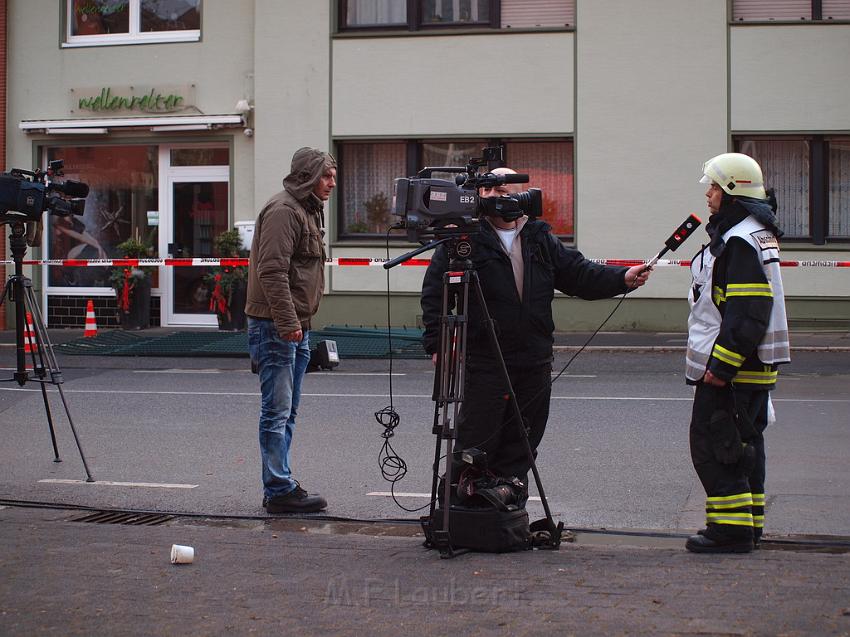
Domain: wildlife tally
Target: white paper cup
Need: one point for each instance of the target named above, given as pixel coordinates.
(182, 554)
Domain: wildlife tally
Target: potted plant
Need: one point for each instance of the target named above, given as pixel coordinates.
(377, 211)
(132, 286)
(228, 283)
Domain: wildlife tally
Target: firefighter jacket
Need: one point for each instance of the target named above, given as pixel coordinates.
(737, 327)
(524, 325)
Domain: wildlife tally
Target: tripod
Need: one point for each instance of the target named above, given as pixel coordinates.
(18, 289)
(449, 386)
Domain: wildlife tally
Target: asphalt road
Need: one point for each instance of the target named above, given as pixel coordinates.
(183, 433)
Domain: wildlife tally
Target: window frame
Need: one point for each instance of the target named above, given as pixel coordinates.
(818, 183)
(414, 150)
(414, 20)
(817, 17)
(134, 34)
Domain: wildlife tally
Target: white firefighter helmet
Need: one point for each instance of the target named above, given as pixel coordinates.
(737, 174)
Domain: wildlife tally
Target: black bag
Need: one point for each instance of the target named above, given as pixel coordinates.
(482, 529)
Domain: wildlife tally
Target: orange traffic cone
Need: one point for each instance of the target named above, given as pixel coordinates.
(91, 324)
(30, 344)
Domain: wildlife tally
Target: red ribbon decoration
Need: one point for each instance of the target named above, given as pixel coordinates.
(124, 302)
(218, 302)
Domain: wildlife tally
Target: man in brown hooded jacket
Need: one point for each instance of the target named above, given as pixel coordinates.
(286, 278)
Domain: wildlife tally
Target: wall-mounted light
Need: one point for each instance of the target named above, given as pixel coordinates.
(243, 107)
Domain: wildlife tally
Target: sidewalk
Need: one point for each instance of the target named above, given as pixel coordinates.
(297, 577)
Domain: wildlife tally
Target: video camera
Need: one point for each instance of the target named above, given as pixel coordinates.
(25, 195)
(434, 208)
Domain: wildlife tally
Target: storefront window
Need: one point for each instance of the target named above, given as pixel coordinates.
(123, 202)
(200, 157)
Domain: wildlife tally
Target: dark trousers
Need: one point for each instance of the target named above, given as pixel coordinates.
(486, 420)
(734, 492)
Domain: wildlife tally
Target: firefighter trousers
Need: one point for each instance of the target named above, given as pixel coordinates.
(727, 449)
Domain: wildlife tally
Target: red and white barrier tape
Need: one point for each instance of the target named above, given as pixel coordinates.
(354, 261)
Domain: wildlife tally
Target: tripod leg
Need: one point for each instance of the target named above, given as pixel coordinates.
(554, 529)
(56, 457)
(46, 354)
(74, 431)
(448, 395)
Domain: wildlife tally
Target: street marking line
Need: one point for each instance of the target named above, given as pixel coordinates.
(109, 483)
(228, 371)
(388, 494)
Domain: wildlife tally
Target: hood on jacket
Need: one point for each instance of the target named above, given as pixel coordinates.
(308, 166)
(733, 210)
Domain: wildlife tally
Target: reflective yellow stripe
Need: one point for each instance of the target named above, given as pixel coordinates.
(736, 519)
(754, 377)
(758, 521)
(718, 295)
(748, 289)
(727, 356)
(729, 501)
(758, 499)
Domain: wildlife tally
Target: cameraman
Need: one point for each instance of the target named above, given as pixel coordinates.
(520, 264)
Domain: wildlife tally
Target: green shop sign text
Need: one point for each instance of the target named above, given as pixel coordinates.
(153, 101)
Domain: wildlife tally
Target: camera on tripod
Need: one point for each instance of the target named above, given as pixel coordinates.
(434, 208)
(25, 195)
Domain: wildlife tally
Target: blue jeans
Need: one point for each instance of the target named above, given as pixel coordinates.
(281, 366)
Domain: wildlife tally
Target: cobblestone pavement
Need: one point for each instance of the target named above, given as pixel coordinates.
(59, 576)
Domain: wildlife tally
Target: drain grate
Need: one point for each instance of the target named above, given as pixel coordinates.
(134, 519)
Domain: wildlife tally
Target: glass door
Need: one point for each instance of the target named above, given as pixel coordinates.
(197, 211)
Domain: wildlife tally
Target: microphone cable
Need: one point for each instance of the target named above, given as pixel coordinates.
(392, 466)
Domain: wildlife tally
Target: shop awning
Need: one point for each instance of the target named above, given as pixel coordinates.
(102, 126)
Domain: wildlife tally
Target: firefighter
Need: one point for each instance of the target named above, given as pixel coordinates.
(737, 337)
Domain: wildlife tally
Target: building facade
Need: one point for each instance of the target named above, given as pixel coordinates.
(182, 115)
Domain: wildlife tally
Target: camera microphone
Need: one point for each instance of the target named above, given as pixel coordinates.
(72, 188)
(685, 230)
(513, 178)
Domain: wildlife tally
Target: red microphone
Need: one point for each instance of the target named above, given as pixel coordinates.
(677, 238)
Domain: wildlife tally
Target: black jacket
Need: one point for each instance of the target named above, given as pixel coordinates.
(524, 326)
(745, 318)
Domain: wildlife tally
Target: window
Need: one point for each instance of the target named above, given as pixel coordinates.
(414, 15)
(122, 189)
(98, 22)
(789, 10)
(367, 170)
(811, 177)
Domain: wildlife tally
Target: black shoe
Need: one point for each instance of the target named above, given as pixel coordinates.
(702, 544)
(296, 501)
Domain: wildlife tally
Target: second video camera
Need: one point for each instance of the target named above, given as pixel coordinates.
(25, 195)
(431, 207)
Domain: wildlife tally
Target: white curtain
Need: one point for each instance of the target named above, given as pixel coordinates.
(362, 13)
(839, 188)
(785, 164)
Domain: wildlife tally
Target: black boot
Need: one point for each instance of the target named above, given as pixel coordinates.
(296, 501)
(701, 544)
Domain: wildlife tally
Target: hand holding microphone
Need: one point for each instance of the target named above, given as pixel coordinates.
(637, 275)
